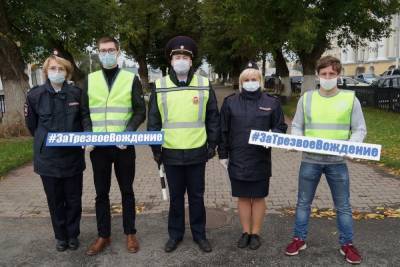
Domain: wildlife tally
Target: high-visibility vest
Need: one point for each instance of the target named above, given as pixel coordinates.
(110, 110)
(183, 112)
(328, 117)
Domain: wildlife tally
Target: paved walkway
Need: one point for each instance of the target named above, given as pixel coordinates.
(22, 195)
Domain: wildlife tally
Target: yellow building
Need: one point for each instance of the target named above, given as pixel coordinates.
(376, 57)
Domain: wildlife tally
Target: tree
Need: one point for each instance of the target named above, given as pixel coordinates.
(15, 81)
(353, 22)
(227, 43)
(68, 26)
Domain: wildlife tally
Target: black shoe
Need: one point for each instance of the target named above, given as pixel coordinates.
(171, 245)
(204, 245)
(255, 242)
(243, 241)
(73, 243)
(61, 245)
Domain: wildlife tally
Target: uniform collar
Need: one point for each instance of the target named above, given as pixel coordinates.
(251, 95)
(174, 79)
(51, 90)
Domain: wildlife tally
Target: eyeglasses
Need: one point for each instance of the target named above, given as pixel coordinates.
(109, 51)
(59, 69)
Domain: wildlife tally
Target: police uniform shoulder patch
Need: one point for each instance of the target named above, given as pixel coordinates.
(230, 95)
(33, 88)
(274, 96)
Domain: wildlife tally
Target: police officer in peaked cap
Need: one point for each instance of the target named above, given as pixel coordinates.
(184, 106)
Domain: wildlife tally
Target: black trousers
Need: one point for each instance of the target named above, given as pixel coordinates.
(124, 165)
(180, 179)
(64, 197)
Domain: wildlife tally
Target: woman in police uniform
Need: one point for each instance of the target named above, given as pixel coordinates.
(55, 107)
(249, 166)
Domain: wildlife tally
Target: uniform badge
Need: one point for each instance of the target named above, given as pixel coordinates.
(195, 100)
(73, 104)
(265, 109)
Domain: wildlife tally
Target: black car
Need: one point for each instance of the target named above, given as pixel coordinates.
(390, 81)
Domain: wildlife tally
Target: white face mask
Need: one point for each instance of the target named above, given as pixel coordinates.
(181, 66)
(56, 77)
(328, 84)
(251, 86)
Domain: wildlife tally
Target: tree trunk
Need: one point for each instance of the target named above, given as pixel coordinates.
(309, 61)
(143, 73)
(78, 76)
(15, 81)
(283, 72)
(164, 71)
(264, 61)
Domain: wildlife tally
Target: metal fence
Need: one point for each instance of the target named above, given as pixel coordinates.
(382, 98)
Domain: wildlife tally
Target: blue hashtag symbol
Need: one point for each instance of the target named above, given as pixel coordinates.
(52, 138)
(255, 136)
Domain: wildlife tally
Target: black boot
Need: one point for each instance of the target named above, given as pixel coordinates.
(171, 245)
(61, 245)
(255, 242)
(204, 245)
(243, 241)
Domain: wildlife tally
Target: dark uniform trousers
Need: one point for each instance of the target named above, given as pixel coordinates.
(124, 165)
(64, 197)
(191, 178)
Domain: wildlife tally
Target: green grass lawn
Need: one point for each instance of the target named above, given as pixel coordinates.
(14, 152)
(382, 128)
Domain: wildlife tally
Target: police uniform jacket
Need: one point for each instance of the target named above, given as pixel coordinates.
(241, 113)
(186, 156)
(48, 111)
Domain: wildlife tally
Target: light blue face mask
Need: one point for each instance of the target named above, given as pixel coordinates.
(56, 77)
(108, 60)
(251, 86)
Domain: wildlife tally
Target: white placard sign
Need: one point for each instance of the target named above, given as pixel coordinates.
(316, 145)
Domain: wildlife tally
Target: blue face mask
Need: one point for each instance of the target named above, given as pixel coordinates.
(108, 60)
(251, 86)
(56, 77)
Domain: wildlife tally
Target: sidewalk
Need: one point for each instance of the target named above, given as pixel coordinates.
(22, 195)
(377, 241)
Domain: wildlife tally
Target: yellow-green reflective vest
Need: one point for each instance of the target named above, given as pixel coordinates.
(183, 112)
(328, 117)
(110, 110)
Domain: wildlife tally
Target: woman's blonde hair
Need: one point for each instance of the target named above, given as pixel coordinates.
(63, 62)
(250, 72)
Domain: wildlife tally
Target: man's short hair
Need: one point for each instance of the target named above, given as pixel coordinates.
(327, 61)
(107, 39)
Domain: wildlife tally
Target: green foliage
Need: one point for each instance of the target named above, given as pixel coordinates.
(41, 25)
(14, 152)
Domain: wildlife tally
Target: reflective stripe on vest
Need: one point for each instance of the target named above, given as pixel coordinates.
(183, 112)
(328, 117)
(110, 110)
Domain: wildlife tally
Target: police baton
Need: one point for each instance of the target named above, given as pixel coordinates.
(162, 180)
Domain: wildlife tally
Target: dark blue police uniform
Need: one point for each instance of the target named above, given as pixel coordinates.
(60, 168)
(249, 166)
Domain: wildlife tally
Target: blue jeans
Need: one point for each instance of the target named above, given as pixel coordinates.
(337, 177)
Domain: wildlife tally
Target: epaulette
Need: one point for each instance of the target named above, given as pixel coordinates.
(30, 90)
(229, 95)
(275, 96)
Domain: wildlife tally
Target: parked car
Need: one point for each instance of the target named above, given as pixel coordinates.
(389, 81)
(391, 72)
(348, 81)
(296, 82)
(366, 77)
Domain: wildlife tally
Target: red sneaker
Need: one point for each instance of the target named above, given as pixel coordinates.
(351, 254)
(295, 246)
